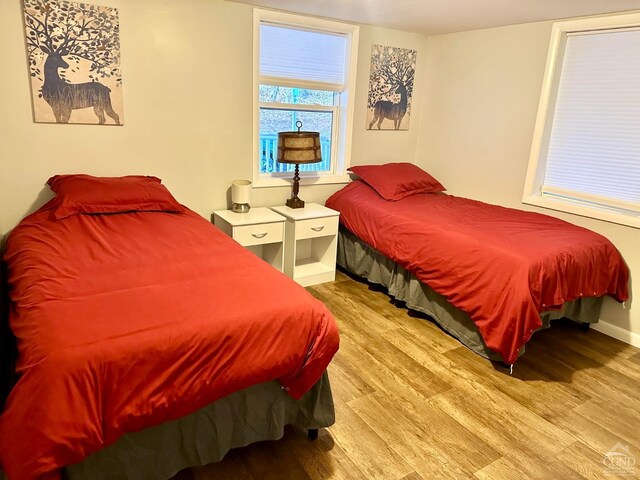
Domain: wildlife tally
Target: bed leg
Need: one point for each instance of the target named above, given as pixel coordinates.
(312, 433)
(585, 326)
(508, 366)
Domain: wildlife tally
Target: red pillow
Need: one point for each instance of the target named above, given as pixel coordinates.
(395, 181)
(87, 194)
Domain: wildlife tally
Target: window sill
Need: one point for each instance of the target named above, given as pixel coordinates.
(578, 208)
(265, 181)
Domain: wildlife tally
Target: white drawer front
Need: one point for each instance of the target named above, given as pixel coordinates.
(316, 227)
(258, 234)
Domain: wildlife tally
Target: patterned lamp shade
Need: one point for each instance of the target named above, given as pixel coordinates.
(299, 147)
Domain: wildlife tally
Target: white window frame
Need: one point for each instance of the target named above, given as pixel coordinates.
(343, 112)
(533, 188)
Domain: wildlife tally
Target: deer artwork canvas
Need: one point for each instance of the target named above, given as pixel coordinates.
(390, 87)
(74, 62)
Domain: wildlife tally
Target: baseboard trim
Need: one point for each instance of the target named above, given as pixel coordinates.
(618, 333)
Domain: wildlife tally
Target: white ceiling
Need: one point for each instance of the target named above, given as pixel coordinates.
(446, 16)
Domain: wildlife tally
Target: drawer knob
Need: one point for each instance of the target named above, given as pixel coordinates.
(317, 229)
(259, 235)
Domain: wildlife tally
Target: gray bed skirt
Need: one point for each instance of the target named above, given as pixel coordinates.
(255, 414)
(364, 261)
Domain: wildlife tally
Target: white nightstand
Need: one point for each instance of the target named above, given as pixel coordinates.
(260, 230)
(311, 239)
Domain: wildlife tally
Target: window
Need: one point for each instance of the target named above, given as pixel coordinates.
(304, 71)
(585, 156)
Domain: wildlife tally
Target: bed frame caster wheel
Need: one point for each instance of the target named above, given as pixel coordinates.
(312, 433)
(585, 326)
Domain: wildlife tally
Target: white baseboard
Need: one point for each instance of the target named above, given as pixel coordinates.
(618, 333)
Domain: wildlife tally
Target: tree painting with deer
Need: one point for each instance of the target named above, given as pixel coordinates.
(390, 87)
(74, 62)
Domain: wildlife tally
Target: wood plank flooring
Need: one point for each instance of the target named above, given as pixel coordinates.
(413, 403)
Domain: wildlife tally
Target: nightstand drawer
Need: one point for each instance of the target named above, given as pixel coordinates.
(260, 234)
(316, 227)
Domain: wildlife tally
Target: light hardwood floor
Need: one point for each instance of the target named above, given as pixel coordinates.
(413, 403)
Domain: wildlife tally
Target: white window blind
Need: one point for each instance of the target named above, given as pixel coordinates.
(293, 54)
(594, 144)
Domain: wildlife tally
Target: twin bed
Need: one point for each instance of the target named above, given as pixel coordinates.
(149, 341)
(489, 275)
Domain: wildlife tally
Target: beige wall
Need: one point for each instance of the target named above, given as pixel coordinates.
(188, 111)
(479, 111)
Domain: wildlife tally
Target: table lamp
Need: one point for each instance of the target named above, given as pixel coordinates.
(298, 148)
(240, 196)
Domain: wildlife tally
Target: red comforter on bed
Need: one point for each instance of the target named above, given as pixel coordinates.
(501, 266)
(126, 321)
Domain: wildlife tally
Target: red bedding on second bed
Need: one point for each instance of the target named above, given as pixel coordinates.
(501, 266)
(126, 321)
